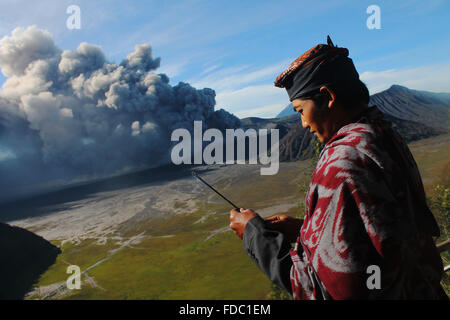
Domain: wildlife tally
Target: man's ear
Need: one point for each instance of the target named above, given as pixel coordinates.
(331, 97)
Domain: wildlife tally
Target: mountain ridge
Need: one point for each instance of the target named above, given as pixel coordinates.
(407, 104)
(415, 114)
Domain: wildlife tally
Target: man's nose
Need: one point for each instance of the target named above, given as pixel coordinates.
(304, 123)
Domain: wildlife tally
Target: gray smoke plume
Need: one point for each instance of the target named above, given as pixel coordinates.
(68, 115)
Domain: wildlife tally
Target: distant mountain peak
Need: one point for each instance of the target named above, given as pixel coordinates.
(398, 87)
(287, 111)
(424, 107)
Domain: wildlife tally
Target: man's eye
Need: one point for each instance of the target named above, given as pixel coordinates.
(298, 110)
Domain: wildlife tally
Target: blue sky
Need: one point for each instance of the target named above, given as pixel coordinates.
(238, 48)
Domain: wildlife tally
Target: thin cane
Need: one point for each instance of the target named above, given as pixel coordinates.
(194, 174)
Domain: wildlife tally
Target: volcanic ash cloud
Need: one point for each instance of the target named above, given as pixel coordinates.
(70, 114)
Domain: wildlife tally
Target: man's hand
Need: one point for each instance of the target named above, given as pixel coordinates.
(239, 219)
(289, 226)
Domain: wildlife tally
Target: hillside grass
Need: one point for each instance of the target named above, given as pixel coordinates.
(433, 159)
(180, 267)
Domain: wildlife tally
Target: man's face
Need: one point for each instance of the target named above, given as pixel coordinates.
(315, 118)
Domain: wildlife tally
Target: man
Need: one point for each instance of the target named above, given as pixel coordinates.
(367, 231)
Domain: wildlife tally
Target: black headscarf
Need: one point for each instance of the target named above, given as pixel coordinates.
(325, 64)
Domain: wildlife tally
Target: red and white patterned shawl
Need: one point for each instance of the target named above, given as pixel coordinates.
(366, 206)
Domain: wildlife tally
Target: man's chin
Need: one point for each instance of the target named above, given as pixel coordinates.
(321, 138)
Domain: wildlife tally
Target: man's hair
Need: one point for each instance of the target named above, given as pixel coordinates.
(349, 95)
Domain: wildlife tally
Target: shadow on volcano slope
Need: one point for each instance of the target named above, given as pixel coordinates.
(58, 200)
(24, 257)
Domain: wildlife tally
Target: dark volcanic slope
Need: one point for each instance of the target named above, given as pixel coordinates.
(431, 109)
(24, 256)
(412, 131)
(295, 142)
(296, 146)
